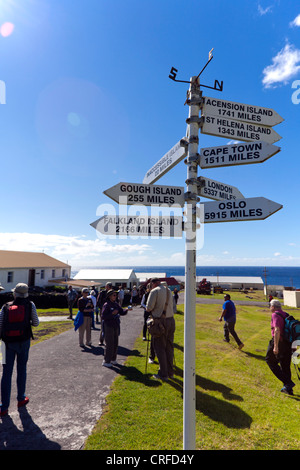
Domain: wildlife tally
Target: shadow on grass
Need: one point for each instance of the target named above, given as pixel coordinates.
(218, 410)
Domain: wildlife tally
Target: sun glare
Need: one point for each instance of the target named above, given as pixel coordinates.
(6, 29)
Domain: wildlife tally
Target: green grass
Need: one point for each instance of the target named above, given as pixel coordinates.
(238, 401)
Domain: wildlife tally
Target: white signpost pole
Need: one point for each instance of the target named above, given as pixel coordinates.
(189, 375)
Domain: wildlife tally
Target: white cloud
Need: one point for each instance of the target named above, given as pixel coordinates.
(277, 254)
(296, 21)
(72, 249)
(263, 11)
(286, 64)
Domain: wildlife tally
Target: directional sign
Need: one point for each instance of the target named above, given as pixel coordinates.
(229, 128)
(146, 194)
(240, 112)
(237, 154)
(141, 226)
(253, 208)
(168, 161)
(218, 191)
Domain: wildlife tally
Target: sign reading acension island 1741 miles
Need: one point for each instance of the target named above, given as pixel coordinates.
(240, 111)
(236, 154)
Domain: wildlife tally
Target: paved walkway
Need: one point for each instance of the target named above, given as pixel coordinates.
(67, 386)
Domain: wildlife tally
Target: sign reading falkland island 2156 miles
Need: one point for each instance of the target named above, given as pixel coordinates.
(140, 226)
(146, 194)
(237, 154)
(240, 111)
(238, 130)
(252, 208)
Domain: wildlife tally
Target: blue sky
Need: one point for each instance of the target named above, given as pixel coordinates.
(88, 104)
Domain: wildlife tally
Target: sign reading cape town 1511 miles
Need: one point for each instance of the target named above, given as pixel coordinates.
(236, 154)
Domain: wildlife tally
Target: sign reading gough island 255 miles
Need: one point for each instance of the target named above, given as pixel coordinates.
(229, 128)
(146, 194)
(240, 111)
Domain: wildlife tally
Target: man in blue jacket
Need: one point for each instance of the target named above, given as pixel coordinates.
(229, 315)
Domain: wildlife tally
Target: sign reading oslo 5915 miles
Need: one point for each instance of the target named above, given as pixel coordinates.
(252, 208)
(146, 194)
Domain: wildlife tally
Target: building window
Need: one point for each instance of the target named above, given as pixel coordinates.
(63, 273)
(42, 274)
(53, 273)
(10, 276)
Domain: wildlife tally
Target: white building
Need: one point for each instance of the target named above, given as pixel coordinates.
(126, 277)
(230, 282)
(34, 269)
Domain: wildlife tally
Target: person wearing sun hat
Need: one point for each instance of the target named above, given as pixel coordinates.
(16, 319)
(111, 317)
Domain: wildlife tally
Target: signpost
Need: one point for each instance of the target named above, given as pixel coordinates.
(146, 194)
(216, 190)
(168, 161)
(140, 226)
(253, 208)
(236, 121)
(238, 130)
(240, 112)
(236, 154)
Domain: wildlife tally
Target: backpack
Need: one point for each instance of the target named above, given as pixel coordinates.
(16, 324)
(291, 334)
(291, 328)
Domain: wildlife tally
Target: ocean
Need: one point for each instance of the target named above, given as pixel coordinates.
(275, 275)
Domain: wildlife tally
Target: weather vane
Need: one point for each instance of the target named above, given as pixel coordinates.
(217, 85)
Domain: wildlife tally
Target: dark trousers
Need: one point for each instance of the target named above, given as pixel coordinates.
(280, 365)
(229, 328)
(164, 349)
(18, 351)
(111, 341)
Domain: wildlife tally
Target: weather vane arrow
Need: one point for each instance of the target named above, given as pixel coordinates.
(217, 85)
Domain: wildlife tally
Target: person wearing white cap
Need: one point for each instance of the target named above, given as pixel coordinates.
(16, 319)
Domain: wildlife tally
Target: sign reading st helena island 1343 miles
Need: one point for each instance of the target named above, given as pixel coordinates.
(236, 154)
(238, 130)
(253, 208)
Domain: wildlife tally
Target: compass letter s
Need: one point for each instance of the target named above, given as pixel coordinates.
(173, 73)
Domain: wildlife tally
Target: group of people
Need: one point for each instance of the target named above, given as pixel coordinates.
(18, 317)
